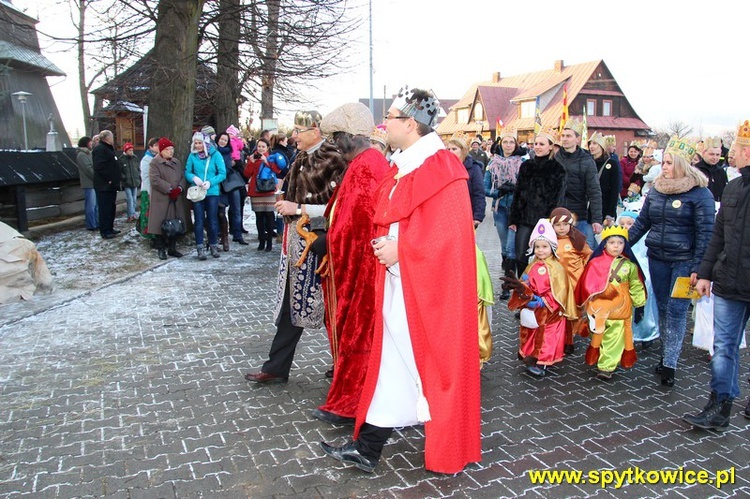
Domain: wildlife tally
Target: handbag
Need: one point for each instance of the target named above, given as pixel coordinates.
(172, 227)
(233, 181)
(265, 183)
(197, 193)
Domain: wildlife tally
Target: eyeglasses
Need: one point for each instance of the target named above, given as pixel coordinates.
(298, 131)
(386, 117)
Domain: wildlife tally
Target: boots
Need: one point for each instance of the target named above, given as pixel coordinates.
(201, 252)
(262, 243)
(667, 376)
(172, 250)
(162, 253)
(269, 243)
(224, 233)
(215, 250)
(715, 415)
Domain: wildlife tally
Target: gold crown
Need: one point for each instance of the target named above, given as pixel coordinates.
(599, 139)
(462, 136)
(610, 140)
(509, 131)
(575, 125)
(615, 230)
(710, 142)
(379, 135)
(550, 133)
(638, 144)
(743, 134)
(681, 148)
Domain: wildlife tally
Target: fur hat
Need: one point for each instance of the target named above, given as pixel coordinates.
(164, 143)
(354, 118)
(545, 232)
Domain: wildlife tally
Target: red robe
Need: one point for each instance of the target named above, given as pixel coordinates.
(349, 287)
(437, 262)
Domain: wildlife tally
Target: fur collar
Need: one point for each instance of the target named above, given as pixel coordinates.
(670, 186)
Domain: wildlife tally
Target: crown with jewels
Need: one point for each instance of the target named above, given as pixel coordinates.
(638, 144)
(743, 134)
(509, 131)
(379, 134)
(615, 230)
(575, 125)
(680, 147)
(307, 118)
(549, 133)
(422, 105)
(610, 140)
(462, 136)
(710, 142)
(599, 139)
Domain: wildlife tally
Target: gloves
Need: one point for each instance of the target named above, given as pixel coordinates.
(207, 185)
(507, 188)
(174, 194)
(198, 182)
(638, 315)
(525, 278)
(536, 302)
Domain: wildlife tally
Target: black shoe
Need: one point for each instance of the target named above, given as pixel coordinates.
(349, 454)
(115, 231)
(241, 241)
(505, 294)
(667, 376)
(173, 252)
(162, 254)
(604, 375)
(245, 231)
(329, 373)
(536, 371)
(262, 245)
(569, 349)
(746, 412)
(715, 415)
(110, 235)
(329, 417)
(265, 378)
(660, 368)
(269, 244)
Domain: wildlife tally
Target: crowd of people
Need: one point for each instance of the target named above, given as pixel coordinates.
(370, 217)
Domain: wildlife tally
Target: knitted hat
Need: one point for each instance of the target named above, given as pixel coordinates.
(164, 143)
(208, 130)
(545, 232)
(628, 213)
(561, 214)
(232, 130)
(127, 146)
(354, 118)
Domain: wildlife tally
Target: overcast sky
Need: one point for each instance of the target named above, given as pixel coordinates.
(674, 62)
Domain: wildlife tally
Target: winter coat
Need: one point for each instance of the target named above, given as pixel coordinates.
(145, 165)
(717, 177)
(678, 216)
(627, 166)
(609, 181)
(85, 167)
(216, 173)
(226, 155)
(540, 189)
(237, 145)
(130, 170)
(476, 188)
(727, 261)
(251, 173)
(106, 168)
(583, 196)
(164, 175)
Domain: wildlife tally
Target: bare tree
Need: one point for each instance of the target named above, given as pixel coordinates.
(679, 128)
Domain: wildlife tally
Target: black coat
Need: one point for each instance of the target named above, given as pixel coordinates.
(476, 188)
(727, 259)
(610, 182)
(540, 189)
(583, 196)
(717, 177)
(106, 168)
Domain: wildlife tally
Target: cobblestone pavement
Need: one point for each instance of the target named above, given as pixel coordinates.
(135, 389)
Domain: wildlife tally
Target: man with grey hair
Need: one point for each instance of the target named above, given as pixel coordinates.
(106, 183)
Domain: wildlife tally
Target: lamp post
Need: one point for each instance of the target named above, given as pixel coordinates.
(22, 98)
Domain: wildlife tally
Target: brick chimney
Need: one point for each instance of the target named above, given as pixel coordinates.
(496, 77)
(559, 65)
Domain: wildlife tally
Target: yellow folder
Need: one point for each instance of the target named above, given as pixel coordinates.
(683, 289)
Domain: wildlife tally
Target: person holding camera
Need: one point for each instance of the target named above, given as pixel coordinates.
(262, 201)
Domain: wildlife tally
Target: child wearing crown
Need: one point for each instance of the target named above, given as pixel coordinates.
(612, 284)
(546, 299)
(573, 253)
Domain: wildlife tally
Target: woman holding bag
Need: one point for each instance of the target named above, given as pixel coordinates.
(167, 178)
(205, 169)
(262, 201)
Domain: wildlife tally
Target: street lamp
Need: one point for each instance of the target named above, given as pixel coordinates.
(22, 98)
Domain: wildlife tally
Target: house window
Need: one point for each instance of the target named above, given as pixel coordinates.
(463, 115)
(590, 107)
(528, 108)
(607, 108)
(478, 112)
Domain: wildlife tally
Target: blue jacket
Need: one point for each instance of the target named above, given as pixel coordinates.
(196, 167)
(679, 225)
(476, 188)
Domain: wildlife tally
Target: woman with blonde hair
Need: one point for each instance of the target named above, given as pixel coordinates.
(678, 215)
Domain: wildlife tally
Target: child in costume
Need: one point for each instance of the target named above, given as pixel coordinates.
(573, 252)
(612, 284)
(545, 298)
(647, 329)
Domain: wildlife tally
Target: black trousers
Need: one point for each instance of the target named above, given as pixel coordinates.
(284, 344)
(523, 233)
(106, 203)
(372, 439)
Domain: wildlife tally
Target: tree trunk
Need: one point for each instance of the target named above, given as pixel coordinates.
(226, 98)
(82, 88)
(172, 98)
(268, 68)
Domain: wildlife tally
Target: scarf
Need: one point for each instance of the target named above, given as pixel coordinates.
(412, 158)
(671, 186)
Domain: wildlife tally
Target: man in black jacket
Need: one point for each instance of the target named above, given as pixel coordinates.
(583, 194)
(106, 183)
(726, 264)
(711, 166)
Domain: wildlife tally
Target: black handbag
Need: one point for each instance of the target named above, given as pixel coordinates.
(172, 227)
(233, 181)
(267, 184)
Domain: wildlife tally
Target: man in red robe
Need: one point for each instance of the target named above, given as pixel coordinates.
(424, 362)
(349, 285)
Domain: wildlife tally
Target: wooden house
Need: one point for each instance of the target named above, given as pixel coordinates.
(511, 100)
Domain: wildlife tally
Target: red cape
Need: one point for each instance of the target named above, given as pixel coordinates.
(349, 288)
(438, 271)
